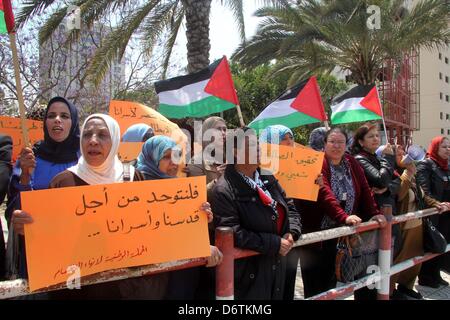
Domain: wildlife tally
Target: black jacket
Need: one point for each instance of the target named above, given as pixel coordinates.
(380, 174)
(237, 205)
(434, 181)
(5, 164)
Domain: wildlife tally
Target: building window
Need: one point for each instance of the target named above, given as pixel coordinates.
(442, 131)
(448, 131)
(446, 79)
(441, 115)
(446, 98)
(440, 75)
(446, 60)
(441, 95)
(440, 56)
(447, 116)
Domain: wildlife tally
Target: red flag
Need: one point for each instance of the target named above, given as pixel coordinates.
(6, 7)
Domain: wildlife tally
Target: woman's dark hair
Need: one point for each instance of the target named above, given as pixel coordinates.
(360, 134)
(335, 130)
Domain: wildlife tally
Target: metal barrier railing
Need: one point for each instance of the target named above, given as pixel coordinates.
(225, 271)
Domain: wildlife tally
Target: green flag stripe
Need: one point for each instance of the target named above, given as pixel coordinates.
(358, 115)
(2, 23)
(199, 108)
(292, 120)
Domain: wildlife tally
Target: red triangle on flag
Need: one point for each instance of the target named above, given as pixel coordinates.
(221, 83)
(6, 7)
(372, 102)
(309, 102)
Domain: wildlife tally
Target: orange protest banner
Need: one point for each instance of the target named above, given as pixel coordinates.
(295, 168)
(104, 227)
(12, 127)
(128, 113)
(129, 151)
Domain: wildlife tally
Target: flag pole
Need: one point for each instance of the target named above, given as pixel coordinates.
(326, 124)
(241, 119)
(12, 40)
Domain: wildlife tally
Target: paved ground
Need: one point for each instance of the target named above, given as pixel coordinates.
(442, 293)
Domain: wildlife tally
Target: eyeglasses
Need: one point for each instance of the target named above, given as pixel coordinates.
(339, 143)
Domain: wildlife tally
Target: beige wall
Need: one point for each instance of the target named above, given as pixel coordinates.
(431, 105)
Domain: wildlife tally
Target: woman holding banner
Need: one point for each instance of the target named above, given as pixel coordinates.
(37, 166)
(158, 161)
(98, 164)
(262, 218)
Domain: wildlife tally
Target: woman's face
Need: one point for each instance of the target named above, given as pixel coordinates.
(96, 142)
(444, 151)
(58, 121)
(335, 147)
(288, 140)
(371, 140)
(222, 128)
(166, 165)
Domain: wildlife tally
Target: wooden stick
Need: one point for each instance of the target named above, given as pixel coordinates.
(241, 119)
(12, 40)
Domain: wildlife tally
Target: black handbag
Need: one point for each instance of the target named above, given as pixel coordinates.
(433, 240)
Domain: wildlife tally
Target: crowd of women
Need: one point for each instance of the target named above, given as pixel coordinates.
(359, 177)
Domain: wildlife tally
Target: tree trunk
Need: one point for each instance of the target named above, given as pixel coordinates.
(197, 33)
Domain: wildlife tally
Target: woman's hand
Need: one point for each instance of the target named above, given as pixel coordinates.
(19, 219)
(319, 180)
(27, 162)
(215, 258)
(206, 207)
(286, 244)
(443, 207)
(353, 220)
(380, 219)
(388, 149)
(186, 170)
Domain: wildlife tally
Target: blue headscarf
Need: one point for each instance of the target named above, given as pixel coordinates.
(152, 152)
(60, 152)
(138, 133)
(274, 134)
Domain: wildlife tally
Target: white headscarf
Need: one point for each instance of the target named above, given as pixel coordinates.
(112, 169)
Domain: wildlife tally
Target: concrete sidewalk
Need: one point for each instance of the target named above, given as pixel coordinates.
(442, 293)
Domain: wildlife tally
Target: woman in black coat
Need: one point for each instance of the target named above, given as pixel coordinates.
(433, 175)
(382, 178)
(255, 207)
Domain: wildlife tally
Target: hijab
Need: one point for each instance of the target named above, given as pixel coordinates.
(64, 151)
(274, 134)
(433, 150)
(111, 170)
(152, 152)
(139, 132)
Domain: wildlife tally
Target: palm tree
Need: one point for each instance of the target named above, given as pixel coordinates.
(149, 20)
(316, 36)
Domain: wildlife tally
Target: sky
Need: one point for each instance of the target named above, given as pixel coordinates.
(224, 34)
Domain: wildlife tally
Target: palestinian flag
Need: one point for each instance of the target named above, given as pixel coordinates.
(361, 103)
(207, 91)
(6, 17)
(297, 106)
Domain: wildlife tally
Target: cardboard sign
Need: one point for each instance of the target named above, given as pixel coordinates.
(129, 151)
(13, 128)
(104, 227)
(128, 113)
(295, 168)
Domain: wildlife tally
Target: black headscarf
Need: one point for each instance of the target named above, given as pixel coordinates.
(60, 152)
